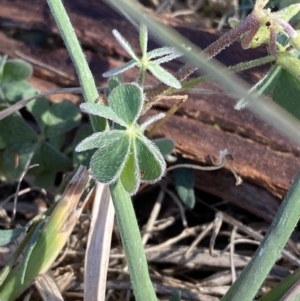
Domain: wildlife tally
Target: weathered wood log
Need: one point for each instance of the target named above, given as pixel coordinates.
(203, 126)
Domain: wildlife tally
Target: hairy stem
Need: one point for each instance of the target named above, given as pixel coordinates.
(84, 73)
(132, 243)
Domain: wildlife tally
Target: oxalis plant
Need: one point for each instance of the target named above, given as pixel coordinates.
(124, 156)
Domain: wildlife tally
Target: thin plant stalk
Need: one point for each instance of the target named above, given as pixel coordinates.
(85, 76)
(134, 251)
(284, 223)
(133, 248)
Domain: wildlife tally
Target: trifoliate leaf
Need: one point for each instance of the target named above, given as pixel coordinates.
(130, 175)
(164, 76)
(151, 162)
(143, 39)
(126, 101)
(102, 111)
(121, 69)
(99, 139)
(124, 43)
(109, 160)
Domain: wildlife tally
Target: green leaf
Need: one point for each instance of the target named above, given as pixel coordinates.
(82, 158)
(184, 181)
(158, 52)
(113, 83)
(164, 76)
(126, 101)
(295, 42)
(108, 161)
(39, 108)
(8, 236)
(17, 158)
(45, 179)
(14, 129)
(176, 296)
(167, 58)
(130, 175)
(20, 143)
(99, 139)
(151, 163)
(2, 142)
(50, 159)
(143, 39)
(119, 70)
(289, 63)
(282, 288)
(124, 43)
(165, 145)
(60, 118)
(17, 90)
(233, 22)
(29, 248)
(265, 86)
(286, 93)
(57, 141)
(293, 294)
(102, 111)
(151, 120)
(16, 70)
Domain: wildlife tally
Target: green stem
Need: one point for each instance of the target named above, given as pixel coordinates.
(85, 76)
(132, 243)
(285, 221)
(142, 76)
(134, 251)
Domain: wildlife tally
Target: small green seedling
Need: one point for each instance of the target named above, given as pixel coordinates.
(123, 152)
(149, 61)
